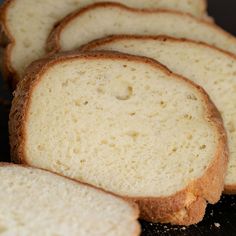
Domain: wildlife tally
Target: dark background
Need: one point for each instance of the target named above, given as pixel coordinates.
(224, 13)
(220, 219)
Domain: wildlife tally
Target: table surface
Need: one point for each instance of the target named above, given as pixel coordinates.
(220, 219)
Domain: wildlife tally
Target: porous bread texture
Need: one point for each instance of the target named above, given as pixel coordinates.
(27, 23)
(212, 69)
(37, 202)
(87, 24)
(124, 124)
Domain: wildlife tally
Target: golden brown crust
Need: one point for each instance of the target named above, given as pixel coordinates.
(113, 38)
(230, 189)
(172, 210)
(185, 207)
(132, 204)
(53, 42)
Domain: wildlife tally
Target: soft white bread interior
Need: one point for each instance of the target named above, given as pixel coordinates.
(105, 19)
(124, 124)
(37, 202)
(205, 65)
(28, 23)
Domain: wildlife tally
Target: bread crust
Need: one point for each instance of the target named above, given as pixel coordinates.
(228, 189)
(53, 42)
(185, 207)
(113, 38)
(7, 39)
(132, 204)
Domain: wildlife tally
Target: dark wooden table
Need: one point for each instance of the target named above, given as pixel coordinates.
(220, 219)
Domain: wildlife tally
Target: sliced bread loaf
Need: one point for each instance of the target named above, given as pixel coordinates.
(37, 202)
(203, 64)
(27, 24)
(87, 24)
(124, 124)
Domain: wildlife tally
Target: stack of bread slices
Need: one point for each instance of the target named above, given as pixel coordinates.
(138, 101)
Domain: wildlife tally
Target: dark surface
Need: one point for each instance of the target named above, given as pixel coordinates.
(220, 219)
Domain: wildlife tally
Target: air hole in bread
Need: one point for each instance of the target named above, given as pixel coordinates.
(65, 84)
(133, 135)
(174, 149)
(100, 90)
(121, 89)
(104, 142)
(163, 104)
(188, 116)
(40, 147)
(189, 136)
(191, 170)
(191, 97)
(61, 166)
(202, 147)
(77, 103)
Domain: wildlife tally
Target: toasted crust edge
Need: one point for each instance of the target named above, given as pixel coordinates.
(228, 189)
(185, 207)
(112, 38)
(53, 43)
(133, 205)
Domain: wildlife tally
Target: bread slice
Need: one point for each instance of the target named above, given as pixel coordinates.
(27, 23)
(124, 124)
(207, 66)
(87, 24)
(37, 202)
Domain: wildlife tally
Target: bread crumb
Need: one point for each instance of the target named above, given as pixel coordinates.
(217, 225)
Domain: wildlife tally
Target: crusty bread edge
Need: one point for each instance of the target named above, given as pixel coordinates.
(53, 43)
(112, 38)
(228, 189)
(185, 207)
(133, 205)
(202, 4)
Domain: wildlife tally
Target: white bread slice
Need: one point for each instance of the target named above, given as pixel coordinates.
(124, 124)
(209, 67)
(37, 202)
(27, 23)
(87, 24)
